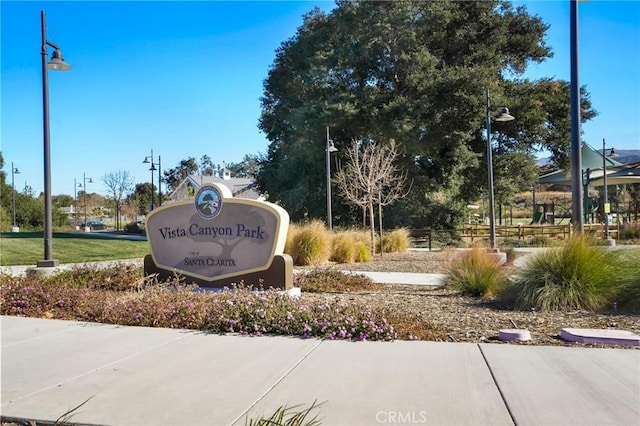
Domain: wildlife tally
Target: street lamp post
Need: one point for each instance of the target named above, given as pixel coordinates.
(159, 182)
(606, 209)
(328, 150)
(577, 214)
(56, 63)
(149, 160)
(75, 203)
(87, 228)
(504, 116)
(14, 171)
(535, 209)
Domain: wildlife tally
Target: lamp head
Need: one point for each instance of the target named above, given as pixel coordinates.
(153, 167)
(16, 171)
(90, 180)
(146, 160)
(504, 115)
(612, 153)
(331, 147)
(57, 63)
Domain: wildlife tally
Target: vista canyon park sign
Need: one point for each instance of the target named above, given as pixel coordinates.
(215, 240)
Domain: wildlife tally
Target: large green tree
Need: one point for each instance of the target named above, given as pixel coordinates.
(173, 177)
(415, 72)
(247, 168)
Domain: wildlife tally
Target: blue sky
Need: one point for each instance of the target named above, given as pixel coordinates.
(185, 79)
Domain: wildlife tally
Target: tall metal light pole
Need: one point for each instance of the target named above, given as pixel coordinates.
(577, 213)
(606, 209)
(535, 210)
(56, 63)
(75, 202)
(149, 160)
(159, 182)
(14, 171)
(84, 179)
(328, 150)
(504, 116)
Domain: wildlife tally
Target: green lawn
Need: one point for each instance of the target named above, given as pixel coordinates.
(27, 248)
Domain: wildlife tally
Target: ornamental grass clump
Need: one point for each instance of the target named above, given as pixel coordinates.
(311, 244)
(363, 252)
(291, 236)
(288, 416)
(350, 246)
(396, 241)
(344, 247)
(476, 273)
(579, 275)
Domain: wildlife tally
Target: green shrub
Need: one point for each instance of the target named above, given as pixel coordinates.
(237, 310)
(120, 277)
(578, 275)
(311, 244)
(476, 273)
(396, 241)
(329, 280)
(539, 241)
(630, 231)
(514, 242)
(628, 266)
(5, 220)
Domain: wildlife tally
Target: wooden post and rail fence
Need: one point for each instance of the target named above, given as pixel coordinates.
(472, 233)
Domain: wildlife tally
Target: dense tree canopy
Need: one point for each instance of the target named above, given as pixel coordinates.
(173, 177)
(415, 72)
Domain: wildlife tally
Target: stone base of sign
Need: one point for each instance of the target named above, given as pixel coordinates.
(278, 276)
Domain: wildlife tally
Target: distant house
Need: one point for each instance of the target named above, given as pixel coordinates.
(240, 187)
(69, 211)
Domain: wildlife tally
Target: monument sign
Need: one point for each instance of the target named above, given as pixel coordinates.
(215, 240)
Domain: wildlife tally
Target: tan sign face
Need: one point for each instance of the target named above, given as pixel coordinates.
(215, 236)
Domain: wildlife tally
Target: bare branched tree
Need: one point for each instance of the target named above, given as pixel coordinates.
(371, 177)
(119, 184)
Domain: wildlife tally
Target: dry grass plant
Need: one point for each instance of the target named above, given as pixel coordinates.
(289, 416)
(476, 273)
(350, 246)
(396, 241)
(310, 244)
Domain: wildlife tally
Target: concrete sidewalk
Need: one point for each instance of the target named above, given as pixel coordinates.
(154, 376)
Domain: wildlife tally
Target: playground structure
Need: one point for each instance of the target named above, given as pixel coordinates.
(544, 214)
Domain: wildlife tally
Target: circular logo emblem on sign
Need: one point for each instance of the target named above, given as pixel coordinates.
(208, 202)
